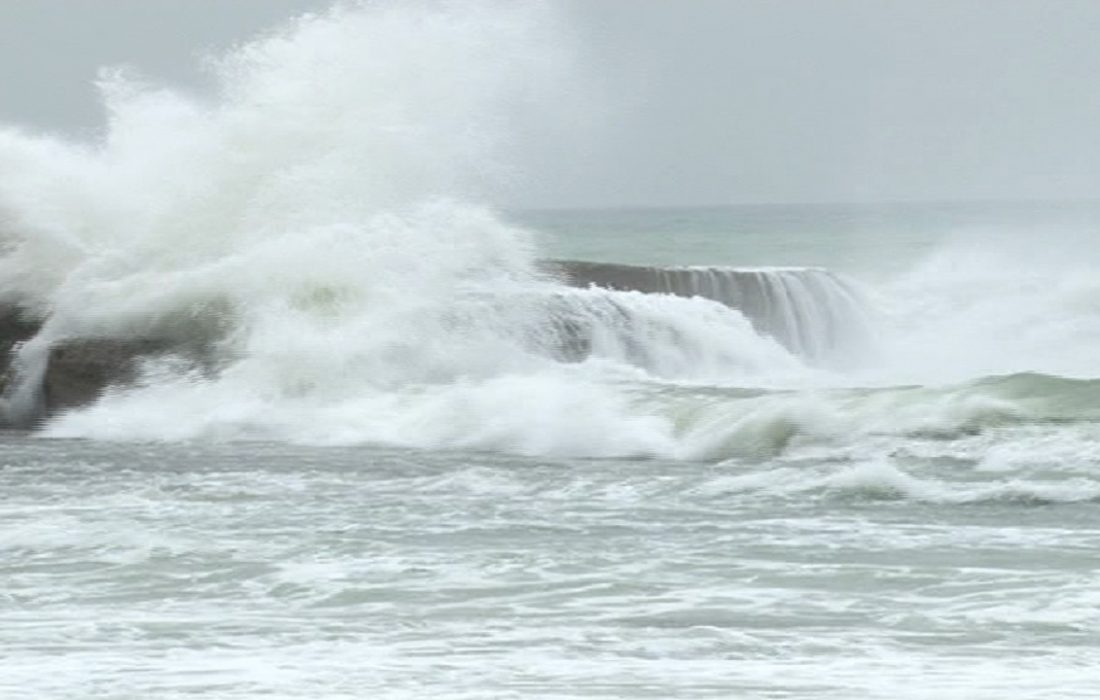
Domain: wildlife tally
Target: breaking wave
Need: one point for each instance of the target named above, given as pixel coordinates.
(313, 223)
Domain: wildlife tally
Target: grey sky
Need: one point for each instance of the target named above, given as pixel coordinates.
(51, 50)
(702, 101)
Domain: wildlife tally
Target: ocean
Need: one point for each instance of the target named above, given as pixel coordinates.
(586, 531)
(853, 452)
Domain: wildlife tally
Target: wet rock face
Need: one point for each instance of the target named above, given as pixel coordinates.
(78, 371)
(815, 314)
(14, 328)
(579, 273)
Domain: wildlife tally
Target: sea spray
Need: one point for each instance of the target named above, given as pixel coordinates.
(316, 224)
(993, 302)
(319, 184)
(313, 222)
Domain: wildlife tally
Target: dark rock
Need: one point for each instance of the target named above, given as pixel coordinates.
(78, 371)
(15, 328)
(75, 372)
(581, 273)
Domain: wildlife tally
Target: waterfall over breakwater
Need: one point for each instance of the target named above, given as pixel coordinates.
(813, 312)
(315, 225)
(659, 320)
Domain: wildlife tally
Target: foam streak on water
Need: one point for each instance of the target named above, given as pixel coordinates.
(257, 570)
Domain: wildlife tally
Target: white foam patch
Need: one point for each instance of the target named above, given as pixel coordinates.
(315, 216)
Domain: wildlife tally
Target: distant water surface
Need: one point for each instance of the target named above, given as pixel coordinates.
(867, 239)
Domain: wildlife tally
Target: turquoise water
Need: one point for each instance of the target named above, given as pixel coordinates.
(870, 241)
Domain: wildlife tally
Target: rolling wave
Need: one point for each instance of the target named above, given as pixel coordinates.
(314, 226)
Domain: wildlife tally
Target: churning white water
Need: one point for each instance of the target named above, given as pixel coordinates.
(310, 219)
(426, 460)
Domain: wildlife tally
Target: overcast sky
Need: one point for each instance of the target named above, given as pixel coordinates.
(701, 101)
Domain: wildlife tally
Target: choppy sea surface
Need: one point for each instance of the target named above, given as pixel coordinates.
(906, 541)
(856, 454)
(259, 570)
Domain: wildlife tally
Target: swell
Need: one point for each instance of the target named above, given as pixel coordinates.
(716, 423)
(883, 479)
(585, 410)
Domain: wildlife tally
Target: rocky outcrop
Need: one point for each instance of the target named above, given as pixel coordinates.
(78, 371)
(813, 312)
(15, 328)
(75, 372)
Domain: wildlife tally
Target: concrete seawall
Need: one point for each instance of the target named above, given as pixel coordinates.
(811, 311)
(807, 310)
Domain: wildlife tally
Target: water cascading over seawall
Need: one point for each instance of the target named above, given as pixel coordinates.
(814, 313)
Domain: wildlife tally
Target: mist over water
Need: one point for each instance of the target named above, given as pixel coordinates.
(816, 453)
(318, 218)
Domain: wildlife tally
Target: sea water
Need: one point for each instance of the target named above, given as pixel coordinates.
(402, 479)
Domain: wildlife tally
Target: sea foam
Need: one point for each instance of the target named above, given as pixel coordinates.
(320, 220)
